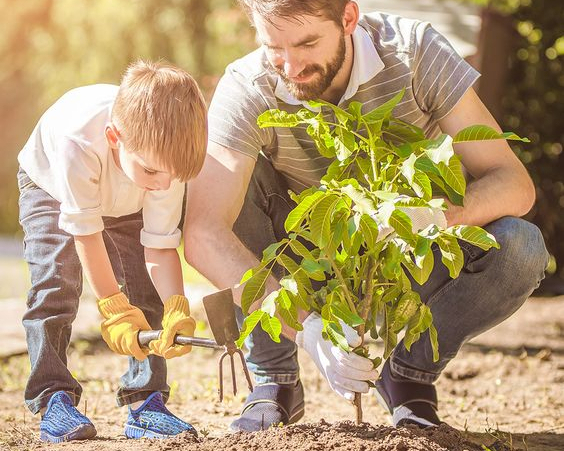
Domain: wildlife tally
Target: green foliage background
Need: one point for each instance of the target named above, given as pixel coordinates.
(50, 46)
(533, 105)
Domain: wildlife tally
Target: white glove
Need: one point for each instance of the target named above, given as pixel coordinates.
(422, 217)
(346, 372)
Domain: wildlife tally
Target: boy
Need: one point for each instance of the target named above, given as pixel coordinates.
(102, 180)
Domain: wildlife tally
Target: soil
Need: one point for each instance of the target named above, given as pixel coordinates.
(504, 391)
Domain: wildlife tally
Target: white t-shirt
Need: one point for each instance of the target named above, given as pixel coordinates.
(67, 156)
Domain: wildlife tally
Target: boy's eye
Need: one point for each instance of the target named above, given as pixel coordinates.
(149, 171)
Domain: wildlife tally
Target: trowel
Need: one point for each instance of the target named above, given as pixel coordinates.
(220, 311)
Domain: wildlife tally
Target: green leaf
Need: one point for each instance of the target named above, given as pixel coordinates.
(272, 326)
(269, 253)
(392, 259)
(421, 272)
(248, 326)
(484, 132)
(254, 289)
(452, 256)
(320, 220)
(387, 334)
(362, 203)
(453, 175)
(289, 284)
(408, 168)
(474, 235)
(407, 307)
(402, 132)
(299, 249)
(288, 311)
(344, 144)
(277, 118)
(299, 213)
(402, 225)
(342, 310)
(268, 304)
(433, 337)
(440, 150)
(313, 269)
(336, 336)
(422, 185)
(383, 111)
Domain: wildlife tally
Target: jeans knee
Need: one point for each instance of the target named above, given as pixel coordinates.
(522, 250)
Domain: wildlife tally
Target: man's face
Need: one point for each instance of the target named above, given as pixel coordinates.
(307, 53)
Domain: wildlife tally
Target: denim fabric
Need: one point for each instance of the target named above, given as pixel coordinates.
(56, 286)
(491, 286)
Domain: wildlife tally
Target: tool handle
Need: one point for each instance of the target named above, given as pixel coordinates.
(146, 336)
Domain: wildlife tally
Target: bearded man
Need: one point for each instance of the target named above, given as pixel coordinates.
(324, 49)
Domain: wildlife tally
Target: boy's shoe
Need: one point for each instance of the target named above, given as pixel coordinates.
(153, 420)
(63, 422)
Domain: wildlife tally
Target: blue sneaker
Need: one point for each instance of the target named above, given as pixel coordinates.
(153, 420)
(63, 422)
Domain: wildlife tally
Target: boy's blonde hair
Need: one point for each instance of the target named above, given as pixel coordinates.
(160, 112)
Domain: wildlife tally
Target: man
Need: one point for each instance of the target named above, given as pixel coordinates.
(236, 207)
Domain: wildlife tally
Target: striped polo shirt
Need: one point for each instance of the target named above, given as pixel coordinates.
(391, 53)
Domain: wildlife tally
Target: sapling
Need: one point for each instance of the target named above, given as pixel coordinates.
(357, 241)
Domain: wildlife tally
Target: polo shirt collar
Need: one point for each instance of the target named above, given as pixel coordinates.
(367, 63)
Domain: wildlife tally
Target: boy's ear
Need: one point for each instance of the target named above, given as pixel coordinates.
(112, 135)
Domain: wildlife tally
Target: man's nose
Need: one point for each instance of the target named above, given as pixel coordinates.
(292, 65)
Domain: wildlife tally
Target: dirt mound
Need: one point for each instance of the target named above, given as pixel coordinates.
(323, 436)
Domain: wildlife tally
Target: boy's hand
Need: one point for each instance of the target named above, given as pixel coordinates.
(176, 320)
(346, 372)
(123, 322)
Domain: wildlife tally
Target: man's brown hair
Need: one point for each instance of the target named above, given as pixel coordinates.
(293, 9)
(160, 112)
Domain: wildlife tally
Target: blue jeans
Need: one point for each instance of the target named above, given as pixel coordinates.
(491, 286)
(56, 286)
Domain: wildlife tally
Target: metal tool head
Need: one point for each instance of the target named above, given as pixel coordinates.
(220, 311)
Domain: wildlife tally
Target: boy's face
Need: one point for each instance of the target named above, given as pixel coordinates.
(306, 53)
(142, 170)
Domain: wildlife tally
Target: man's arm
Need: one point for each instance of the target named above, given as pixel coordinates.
(501, 185)
(215, 199)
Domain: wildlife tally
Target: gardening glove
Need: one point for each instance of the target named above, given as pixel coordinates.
(123, 322)
(346, 372)
(176, 320)
(422, 217)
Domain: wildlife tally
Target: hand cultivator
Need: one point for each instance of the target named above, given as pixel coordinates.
(221, 316)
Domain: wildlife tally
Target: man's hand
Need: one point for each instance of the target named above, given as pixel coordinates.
(176, 320)
(123, 322)
(346, 372)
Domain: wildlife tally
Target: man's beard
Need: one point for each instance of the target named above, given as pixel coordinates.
(314, 89)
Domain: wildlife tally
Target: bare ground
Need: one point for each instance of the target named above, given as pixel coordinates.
(505, 391)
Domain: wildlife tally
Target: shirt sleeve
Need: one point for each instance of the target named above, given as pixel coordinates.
(78, 185)
(440, 75)
(162, 211)
(233, 113)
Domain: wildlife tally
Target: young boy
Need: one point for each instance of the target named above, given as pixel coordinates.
(102, 180)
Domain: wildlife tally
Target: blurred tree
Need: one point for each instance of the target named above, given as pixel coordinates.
(49, 47)
(529, 99)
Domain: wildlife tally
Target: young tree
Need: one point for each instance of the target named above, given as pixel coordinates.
(355, 242)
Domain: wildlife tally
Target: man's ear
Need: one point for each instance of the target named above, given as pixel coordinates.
(112, 135)
(351, 15)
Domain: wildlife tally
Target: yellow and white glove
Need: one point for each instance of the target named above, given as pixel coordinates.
(176, 320)
(123, 322)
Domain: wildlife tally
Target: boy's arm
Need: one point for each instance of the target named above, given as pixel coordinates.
(163, 266)
(123, 321)
(96, 264)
